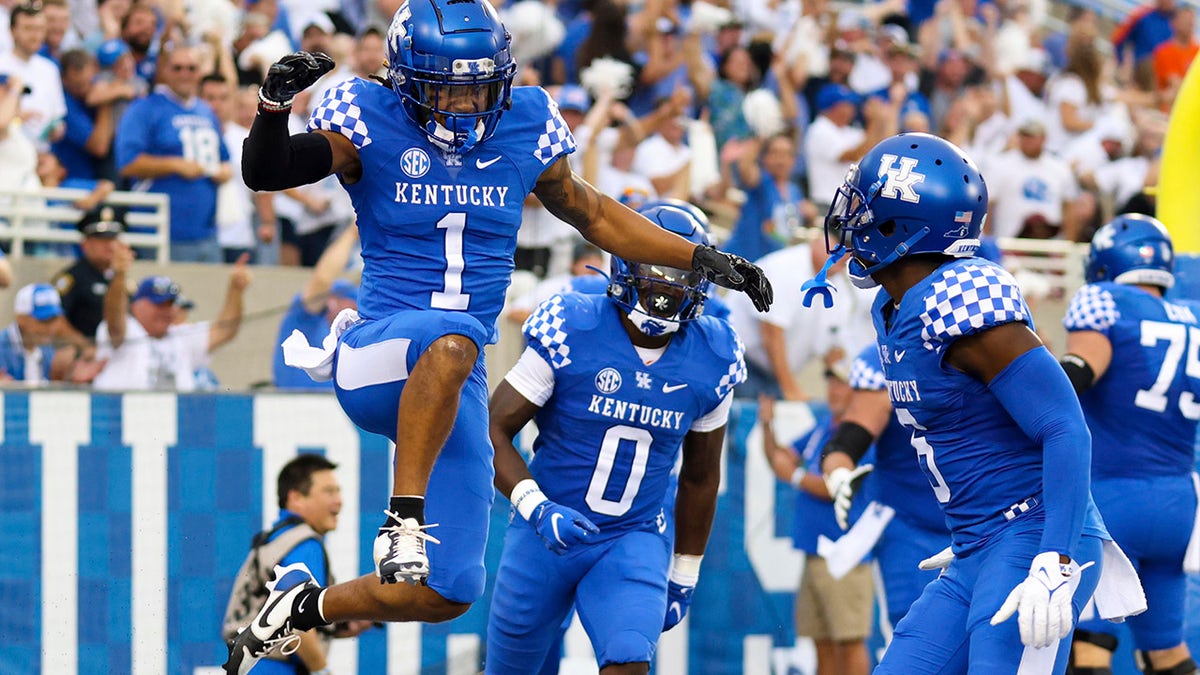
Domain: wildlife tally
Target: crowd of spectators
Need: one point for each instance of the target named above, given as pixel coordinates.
(752, 109)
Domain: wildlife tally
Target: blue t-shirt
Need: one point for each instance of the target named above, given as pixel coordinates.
(611, 431)
(763, 202)
(12, 355)
(438, 230)
(1143, 411)
(314, 327)
(70, 151)
(163, 125)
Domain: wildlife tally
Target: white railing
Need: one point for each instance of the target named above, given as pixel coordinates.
(47, 216)
(1059, 264)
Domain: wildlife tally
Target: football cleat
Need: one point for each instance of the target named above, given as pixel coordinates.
(399, 550)
(271, 630)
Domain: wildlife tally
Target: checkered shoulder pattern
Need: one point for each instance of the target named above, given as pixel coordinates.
(556, 140)
(545, 333)
(1092, 308)
(339, 112)
(865, 376)
(968, 298)
(737, 370)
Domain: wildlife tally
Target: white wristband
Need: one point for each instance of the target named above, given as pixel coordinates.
(797, 476)
(685, 569)
(526, 497)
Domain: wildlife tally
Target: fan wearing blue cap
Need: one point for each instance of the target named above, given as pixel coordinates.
(834, 140)
(313, 309)
(143, 341)
(1132, 357)
(596, 373)
(25, 346)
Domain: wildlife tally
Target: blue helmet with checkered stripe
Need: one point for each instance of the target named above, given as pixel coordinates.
(659, 298)
(449, 62)
(912, 193)
(1132, 249)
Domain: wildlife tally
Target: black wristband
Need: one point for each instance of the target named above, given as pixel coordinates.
(849, 438)
(1078, 371)
(273, 159)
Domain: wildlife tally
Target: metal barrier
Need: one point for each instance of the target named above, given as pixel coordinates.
(37, 216)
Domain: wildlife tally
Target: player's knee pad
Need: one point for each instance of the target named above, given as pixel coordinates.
(1101, 640)
(626, 646)
(1184, 667)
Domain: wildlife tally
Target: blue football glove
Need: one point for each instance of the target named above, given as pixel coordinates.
(679, 598)
(561, 527)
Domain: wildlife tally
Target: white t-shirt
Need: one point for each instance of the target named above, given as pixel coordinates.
(235, 204)
(655, 157)
(1123, 178)
(1066, 88)
(1019, 187)
(824, 143)
(810, 331)
(1023, 105)
(45, 99)
(143, 363)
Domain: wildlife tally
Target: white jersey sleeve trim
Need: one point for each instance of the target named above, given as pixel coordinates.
(716, 418)
(532, 377)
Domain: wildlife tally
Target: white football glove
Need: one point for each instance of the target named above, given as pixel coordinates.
(938, 561)
(1043, 600)
(841, 484)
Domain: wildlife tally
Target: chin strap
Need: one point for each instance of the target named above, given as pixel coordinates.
(819, 285)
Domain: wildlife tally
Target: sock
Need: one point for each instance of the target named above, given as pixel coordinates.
(408, 506)
(306, 610)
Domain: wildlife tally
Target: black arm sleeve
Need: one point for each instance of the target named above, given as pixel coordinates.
(273, 159)
(1079, 372)
(850, 438)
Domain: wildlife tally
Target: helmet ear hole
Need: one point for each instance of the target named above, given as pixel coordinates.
(887, 228)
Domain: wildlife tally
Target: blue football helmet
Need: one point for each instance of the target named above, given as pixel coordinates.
(911, 193)
(1132, 249)
(449, 62)
(659, 299)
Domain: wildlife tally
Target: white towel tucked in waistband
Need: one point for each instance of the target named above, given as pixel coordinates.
(1191, 558)
(1119, 593)
(849, 550)
(317, 361)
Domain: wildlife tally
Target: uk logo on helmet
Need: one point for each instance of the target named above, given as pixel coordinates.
(900, 181)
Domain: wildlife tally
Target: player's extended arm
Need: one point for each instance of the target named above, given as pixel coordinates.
(695, 506)
(560, 527)
(1089, 353)
(867, 415)
(273, 159)
(621, 231)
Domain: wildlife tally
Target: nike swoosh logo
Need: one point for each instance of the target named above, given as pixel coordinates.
(668, 388)
(676, 609)
(554, 518)
(900, 355)
(270, 608)
(480, 164)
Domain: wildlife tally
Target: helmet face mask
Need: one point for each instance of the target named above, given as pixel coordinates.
(449, 63)
(912, 193)
(658, 299)
(1132, 249)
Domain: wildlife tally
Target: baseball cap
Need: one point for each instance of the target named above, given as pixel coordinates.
(109, 51)
(833, 94)
(1031, 126)
(344, 289)
(1036, 60)
(102, 221)
(41, 301)
(319, 19)
(573, 97)
(157, 289)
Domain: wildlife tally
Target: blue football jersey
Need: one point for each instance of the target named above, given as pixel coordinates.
(162, 125)
(897, 479)
(976, 458)
(610, 434)
(1143, 411)
(438, 230)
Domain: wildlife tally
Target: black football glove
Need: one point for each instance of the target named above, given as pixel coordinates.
(732, 271)
(291, 75)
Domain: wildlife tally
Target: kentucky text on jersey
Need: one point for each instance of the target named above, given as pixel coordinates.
(635, 413)
(903, 391)
(451, 195)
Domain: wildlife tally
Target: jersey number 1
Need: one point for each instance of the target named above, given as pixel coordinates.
(452, 297)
